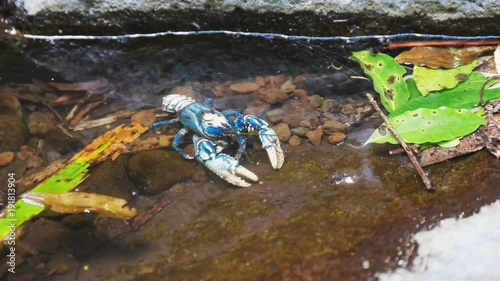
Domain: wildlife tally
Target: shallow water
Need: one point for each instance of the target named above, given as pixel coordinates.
(303, 222)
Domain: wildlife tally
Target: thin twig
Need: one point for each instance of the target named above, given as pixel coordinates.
(481, 92)
(413, 159)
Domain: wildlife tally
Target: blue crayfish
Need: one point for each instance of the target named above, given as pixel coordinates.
(213, 131)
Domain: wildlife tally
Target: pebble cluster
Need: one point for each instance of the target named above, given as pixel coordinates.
(286, 103)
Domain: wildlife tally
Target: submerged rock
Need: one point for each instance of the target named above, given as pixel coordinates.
(275, 115)
(294, 141)
(245, 87)
(157, 170)
(283, 131)
(330, 127)
(297, 113)
(315, 136)
(12, 132)
(6, 158)
(316, 100)
(272, 94)
(335, 138)
(257, 108)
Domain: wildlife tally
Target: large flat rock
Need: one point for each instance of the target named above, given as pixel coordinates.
(337, 17)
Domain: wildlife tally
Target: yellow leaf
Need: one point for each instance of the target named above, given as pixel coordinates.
(81, 202)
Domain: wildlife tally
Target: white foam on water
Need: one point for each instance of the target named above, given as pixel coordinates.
(458, 249)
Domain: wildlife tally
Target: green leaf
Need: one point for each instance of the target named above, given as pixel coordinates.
(450, 143)
(435, 79)
(70, 175)
(387, 78)
(412, 88)
(464, 95)
(429, 125)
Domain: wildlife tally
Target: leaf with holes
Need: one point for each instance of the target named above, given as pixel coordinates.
(429, 79)
(429, 125)
(465, 95)
(387, 78)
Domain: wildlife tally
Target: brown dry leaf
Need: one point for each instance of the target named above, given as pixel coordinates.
(487, 66)
(468, 144)
(144, 117)
(491, 132)
(434, 57)
(149, 142)
(84, 86)
(81, 202)
(36, 177)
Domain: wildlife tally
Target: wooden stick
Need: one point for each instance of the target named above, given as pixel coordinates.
(413, 159)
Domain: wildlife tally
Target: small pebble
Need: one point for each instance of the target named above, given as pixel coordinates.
(257, 108)
(295, 141)
(301, 93)
(300, 78)
(283, 131)
(260, 81)
(40, 124)
(348, 109)
(288, 87)
(6, 158)
(245, 87)
(327, 105)
(272, 94)
(275, 80)
(316, 100)
(32, 160)
(300, 131)
(274, 116)
(335, 138)
(331, 126)
(315, 136)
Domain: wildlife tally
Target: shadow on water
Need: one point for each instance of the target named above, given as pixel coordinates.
(333, 212)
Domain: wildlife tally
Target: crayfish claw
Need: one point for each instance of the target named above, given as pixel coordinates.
(228, 169)
(271, 144)
(225, 166)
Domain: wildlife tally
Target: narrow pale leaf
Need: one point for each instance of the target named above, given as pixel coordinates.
(450, 143)
(429, 125)
(496, 57)
(81, 202)
(74, 171)
(387, 78)
(429, 80)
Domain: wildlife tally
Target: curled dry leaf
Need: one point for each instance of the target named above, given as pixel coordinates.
(94, 123)
(80, 202)
(491, 133)
(435, 57)
(83, 86)
(471, 143)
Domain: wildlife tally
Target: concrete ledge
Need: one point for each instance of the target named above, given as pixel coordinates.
(320, 17)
